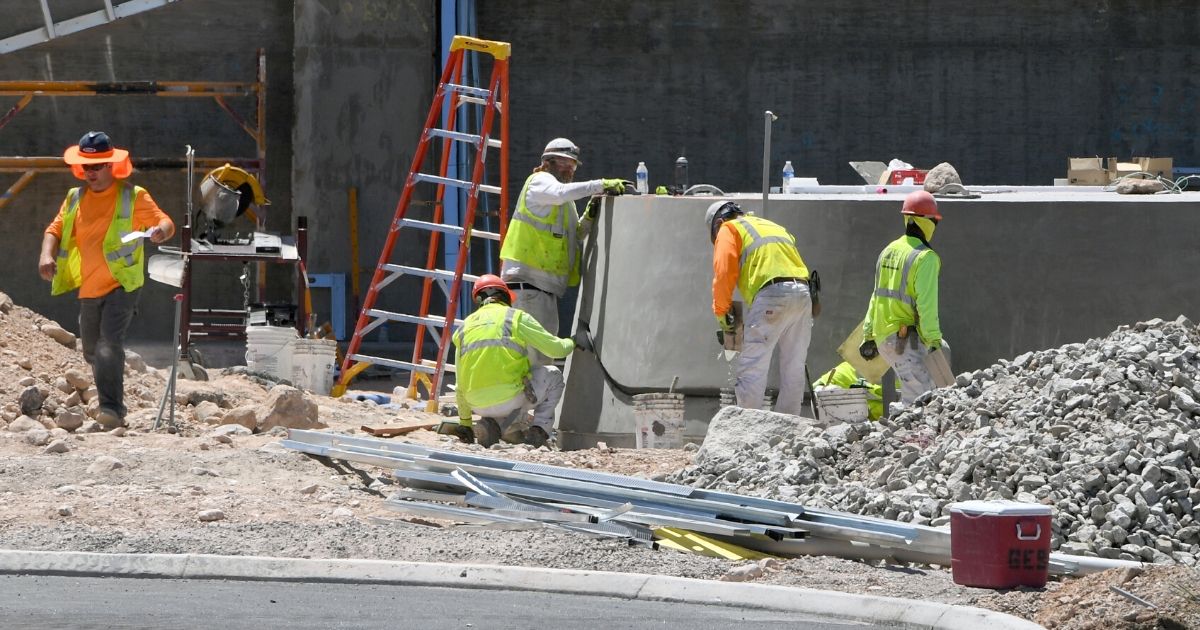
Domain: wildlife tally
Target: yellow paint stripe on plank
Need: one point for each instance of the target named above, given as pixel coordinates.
(685, 540)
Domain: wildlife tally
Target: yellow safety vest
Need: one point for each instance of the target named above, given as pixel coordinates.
(768, 252)
(895, 296)
(125, 260)
(491, 364)
(845, 376)
(543, 243)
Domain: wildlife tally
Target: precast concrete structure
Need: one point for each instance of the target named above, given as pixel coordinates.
(1021, 270)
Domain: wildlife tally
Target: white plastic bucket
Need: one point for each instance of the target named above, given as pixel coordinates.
(658, 420)
(267, 350)
(312, 364)
(842, 405)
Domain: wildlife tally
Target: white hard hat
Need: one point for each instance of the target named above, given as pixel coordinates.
(719, 210)
(561, 147)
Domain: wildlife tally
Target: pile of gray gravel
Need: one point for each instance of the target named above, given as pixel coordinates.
(1105, 432)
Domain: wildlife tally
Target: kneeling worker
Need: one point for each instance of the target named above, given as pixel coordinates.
(759, 257)
(495, 377)
(846, 377)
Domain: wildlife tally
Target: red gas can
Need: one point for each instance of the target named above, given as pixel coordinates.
(999, 544)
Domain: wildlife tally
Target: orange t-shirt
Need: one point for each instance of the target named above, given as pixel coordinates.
(727, 268)
(96, 211)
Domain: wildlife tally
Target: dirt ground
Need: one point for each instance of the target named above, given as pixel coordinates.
(204, 491)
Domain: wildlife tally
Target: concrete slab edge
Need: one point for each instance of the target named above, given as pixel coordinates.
(900, 613)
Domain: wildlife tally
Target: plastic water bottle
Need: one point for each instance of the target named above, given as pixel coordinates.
(643, 178)
(788, 174)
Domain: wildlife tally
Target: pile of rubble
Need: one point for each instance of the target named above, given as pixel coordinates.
(47, 391)
(1103, 431)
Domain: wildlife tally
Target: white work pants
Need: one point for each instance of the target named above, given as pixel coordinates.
(907, 358)
(544, 308)
(546, 385)
(781, 314)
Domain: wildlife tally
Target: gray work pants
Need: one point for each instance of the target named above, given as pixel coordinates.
(781, 315)
(907, 358)
(546, 385)
(103, 322)
(544, 308)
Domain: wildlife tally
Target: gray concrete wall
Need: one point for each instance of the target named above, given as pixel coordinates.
(214, 40)
(364, 73)
(1005, 92)
(1020, 272)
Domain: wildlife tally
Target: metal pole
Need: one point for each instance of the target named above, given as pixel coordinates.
(768, 118)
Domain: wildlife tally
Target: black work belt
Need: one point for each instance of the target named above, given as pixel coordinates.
(778, 280)
(525, 286)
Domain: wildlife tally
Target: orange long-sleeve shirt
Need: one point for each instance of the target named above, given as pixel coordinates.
(726, 268)
(96, 212)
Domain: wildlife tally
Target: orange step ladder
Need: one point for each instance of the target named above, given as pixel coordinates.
(440, 326)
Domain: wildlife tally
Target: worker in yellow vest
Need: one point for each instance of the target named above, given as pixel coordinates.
(495, 377)
(902, 321)
(760, 258)
(91, 246)
(542, 249)
(846, 377)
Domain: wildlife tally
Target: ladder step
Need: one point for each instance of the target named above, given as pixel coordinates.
(446, 228)
(470, 90)
(469, 138)
(426, 366)
(436, 322)
(436, 274)
(479, 101)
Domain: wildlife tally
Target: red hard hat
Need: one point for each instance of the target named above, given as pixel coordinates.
(921, 204)
(492, 281)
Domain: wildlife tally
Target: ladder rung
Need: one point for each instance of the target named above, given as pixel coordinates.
(411, 319)
(471, 90)
(446, 228)
(426, 366)
(460, 136)
(437, 274)
(495, 190)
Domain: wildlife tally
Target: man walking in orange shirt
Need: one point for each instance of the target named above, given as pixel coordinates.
(87, 247)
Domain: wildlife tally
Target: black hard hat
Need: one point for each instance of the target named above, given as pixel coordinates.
(95, 142)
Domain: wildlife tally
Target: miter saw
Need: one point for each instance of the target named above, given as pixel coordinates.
(228, 192)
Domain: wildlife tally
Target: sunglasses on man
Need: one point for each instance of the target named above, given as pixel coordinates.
(96, 167)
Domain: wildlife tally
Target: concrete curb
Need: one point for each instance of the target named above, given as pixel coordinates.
(881, 610)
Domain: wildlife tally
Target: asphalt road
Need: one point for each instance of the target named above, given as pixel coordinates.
(129, 603)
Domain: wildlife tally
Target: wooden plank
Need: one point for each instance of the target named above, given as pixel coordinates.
(386, 432)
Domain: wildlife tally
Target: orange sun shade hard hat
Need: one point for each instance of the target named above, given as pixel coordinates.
(95, 148)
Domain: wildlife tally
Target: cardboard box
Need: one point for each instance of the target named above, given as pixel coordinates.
(1163, 167)
(1086, 171)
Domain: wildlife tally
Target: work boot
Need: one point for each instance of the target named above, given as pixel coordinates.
(536, 437)
(465, 434)
(487, 432)
(109, 418)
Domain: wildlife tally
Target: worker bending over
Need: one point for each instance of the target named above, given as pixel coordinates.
(89, 246)
(902, 317)
(846, 377)
(760, 258)
(495, 377)
(542, 250)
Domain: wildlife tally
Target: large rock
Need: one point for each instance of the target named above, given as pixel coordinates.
(244, 416)
(6, 303)
(208, 412)
(734, 429)
(288, 407)
(135, 362)
(31, 400)
(59, 334)
(70, 418)
(24, 423)
(104, 464)
(939, 176)
(78, 379)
